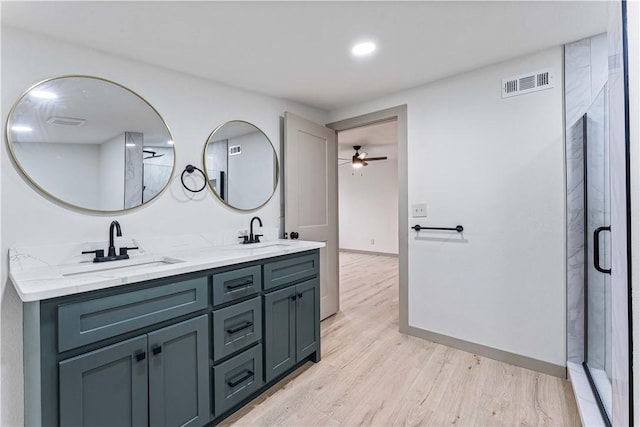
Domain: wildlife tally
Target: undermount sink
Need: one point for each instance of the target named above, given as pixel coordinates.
(264, 247)
(120, 266)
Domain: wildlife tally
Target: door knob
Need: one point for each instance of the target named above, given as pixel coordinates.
(294, 235)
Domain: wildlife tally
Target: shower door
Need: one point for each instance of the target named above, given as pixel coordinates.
(598, 252)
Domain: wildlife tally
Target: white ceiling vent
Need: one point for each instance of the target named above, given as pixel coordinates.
(65, 121)
(234, 150)
(526, 83)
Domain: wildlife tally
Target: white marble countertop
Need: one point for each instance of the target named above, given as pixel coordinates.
(40, 273)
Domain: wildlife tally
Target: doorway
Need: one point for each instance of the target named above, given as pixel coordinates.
(398, 116)
(368, 189)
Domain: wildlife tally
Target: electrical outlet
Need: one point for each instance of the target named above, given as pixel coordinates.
(419, 210)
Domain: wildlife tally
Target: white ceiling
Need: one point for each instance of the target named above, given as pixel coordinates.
(300, 50)
(379, 139)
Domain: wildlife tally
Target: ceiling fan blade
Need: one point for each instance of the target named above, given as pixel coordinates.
(377, 158)
(344, 163)
(363, 155)
(342, 158)
(364, 163)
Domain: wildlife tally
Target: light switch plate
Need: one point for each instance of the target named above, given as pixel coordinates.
(419, 210)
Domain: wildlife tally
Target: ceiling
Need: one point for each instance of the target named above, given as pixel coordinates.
(377, 140)
(90, 101)
(301, 50)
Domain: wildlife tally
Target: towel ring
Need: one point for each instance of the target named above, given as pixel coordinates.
(190, 169)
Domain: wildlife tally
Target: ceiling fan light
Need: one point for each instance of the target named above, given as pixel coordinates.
(357, 162)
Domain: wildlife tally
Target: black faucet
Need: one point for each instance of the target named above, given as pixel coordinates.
(112, 249)
(253, 238)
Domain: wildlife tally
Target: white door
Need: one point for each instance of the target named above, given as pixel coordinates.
(311, 197)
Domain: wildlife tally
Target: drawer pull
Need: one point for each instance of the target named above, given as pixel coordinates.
(240, 285)
(156, 350)
(239, 328)
(141, 356)
(245, 376)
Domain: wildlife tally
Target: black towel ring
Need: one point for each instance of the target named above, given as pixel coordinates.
(190, 169)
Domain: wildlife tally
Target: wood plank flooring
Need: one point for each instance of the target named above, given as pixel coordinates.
(372, 375)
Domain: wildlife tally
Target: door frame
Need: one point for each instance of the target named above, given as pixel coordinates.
(398, 113)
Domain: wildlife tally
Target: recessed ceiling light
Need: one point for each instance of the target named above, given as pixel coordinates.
(43, 94)
(130, 144)
(170, 142)
(362, 49)
(21, 128)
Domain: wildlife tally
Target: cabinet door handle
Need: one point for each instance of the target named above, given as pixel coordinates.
(300, 296)
(293, 297)
(141, 356)
(240, 285)
(156, 350)
(245, 376)
(238, 328)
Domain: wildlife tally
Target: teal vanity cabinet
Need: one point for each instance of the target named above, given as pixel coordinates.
(136, 355)
(186, 350)
(291, 313)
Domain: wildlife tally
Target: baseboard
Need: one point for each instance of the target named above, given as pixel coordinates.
(357, 251)
(490, 352)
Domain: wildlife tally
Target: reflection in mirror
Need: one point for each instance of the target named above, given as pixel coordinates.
(91, 143)
(241, 165)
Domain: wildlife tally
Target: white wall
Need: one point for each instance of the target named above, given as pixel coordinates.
(368, 203)
(111, 174)
(496, 167)
(192, 108)
(58, 167)
(250, 178)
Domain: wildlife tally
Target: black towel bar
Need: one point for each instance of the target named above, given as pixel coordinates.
(457, 228)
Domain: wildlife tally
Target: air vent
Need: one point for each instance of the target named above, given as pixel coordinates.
(526, 83)
(234, 150)
(65, 121)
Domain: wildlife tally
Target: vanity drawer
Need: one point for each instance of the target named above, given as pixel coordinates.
(84, 322)
(236, 327)
(290, 270)
(235, 284)
(236, 379)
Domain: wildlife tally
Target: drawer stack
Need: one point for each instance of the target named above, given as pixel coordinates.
(236, 336)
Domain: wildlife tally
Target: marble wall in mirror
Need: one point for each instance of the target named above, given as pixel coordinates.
(241, 165)
(90, 143)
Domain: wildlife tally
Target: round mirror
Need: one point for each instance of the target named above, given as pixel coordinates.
(90, 143)
(241, 165)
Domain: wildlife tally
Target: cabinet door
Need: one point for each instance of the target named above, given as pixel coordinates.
(307, 318)
(106, 387)
(279, 334)
(179, 374)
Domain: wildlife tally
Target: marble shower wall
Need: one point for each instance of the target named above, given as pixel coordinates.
(585, 74)
(133, 173)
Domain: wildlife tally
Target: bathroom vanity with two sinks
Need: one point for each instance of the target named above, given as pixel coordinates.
(183, 337)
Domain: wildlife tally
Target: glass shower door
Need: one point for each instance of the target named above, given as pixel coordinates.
(598, 252)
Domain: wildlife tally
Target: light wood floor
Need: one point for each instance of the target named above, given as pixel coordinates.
(370, 374)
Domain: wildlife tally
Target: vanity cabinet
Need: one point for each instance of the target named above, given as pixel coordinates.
(165, 374)
(186, 350)
(291, 329)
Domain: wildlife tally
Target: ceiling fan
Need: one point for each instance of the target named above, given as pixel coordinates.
(358, 159)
